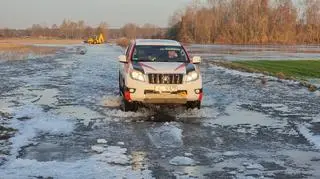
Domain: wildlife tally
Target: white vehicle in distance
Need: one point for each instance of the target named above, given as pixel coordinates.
(159, 72)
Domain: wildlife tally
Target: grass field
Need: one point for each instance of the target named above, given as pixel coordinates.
(292, 68)
(288, 69)
(299, 70)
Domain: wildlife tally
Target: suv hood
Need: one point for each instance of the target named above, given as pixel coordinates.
(163, 67)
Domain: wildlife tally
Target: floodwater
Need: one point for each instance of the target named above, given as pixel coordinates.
(65, 110)
(256, 52)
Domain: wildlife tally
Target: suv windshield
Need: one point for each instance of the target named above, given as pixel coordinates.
(159, 54)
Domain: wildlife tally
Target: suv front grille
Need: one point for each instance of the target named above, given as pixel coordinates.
(165, 78)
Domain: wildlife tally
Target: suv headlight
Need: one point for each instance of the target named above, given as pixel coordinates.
(192, 76)
(137, 75)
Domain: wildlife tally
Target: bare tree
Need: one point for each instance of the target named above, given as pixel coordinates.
(247, 22)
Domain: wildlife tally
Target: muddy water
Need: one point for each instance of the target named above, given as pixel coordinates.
(62, 105)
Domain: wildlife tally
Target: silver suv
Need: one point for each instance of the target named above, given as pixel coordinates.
(159, 72)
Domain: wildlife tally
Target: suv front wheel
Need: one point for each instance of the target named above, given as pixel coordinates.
(193, 105)
(128, 106)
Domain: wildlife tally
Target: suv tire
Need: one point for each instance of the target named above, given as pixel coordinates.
(127, 106)
(193, 105)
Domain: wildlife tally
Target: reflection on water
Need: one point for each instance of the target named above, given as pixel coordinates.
(138, 160)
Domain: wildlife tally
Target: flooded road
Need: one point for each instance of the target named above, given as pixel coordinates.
(61, 119)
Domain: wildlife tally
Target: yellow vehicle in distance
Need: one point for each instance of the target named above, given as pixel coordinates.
(96, 40)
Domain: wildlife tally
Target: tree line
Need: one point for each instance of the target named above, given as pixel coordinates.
(248, 22)
(208, 21)
(69, 29)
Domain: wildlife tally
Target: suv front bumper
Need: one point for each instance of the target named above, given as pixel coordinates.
(150, 94)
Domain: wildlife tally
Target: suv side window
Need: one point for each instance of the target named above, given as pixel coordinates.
(183, 54)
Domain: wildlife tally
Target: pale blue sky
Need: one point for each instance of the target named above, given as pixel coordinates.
(24, 13)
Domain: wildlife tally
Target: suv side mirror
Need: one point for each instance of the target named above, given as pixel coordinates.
(122, 59)
(196, 59)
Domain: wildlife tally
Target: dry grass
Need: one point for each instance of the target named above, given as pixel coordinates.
(312, 88)
(17, 49)
(38, 41)
(123, 42)
(20, 49)
(280, 75)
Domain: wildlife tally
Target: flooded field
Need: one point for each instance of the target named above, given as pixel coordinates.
(60, 118)
(256, 52)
